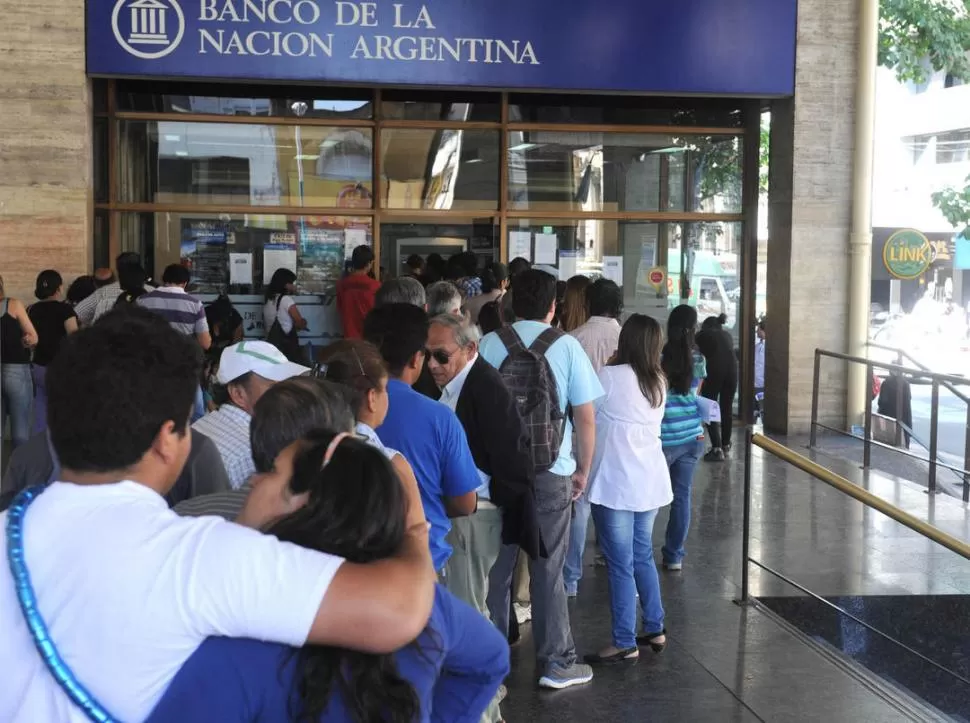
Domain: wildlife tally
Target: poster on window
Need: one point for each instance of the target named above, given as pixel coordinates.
(204, 252)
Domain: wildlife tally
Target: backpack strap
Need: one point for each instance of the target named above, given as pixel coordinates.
(546, 339)
(510, 338)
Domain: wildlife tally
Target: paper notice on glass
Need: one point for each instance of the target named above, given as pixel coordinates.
(240, 268)
(546, 246)
(520, 245)
(613, 269)
(568, 264)
(277, 258)
(354, 237)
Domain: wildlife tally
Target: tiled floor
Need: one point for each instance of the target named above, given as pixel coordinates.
(731, 663)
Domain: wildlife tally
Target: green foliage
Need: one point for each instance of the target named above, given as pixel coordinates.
(955, 206)
(919, 37)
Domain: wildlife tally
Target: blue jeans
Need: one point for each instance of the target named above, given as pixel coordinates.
(682, 460)
(626, 539)
(16, 395)
(572, 570)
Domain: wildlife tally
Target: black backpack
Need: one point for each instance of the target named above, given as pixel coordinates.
(529, 378)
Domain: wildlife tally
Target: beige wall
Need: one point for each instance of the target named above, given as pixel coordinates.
(809, 216)
(45, 142)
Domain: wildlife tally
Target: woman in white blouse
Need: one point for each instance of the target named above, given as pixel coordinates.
(629, 483)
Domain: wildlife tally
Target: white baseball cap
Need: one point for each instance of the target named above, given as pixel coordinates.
(258, 357)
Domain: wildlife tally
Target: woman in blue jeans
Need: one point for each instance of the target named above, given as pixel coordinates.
(17, 338)
(629, 482)
(682, 430)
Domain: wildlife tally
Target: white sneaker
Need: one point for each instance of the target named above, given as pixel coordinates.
(559, 678)
(523, 613)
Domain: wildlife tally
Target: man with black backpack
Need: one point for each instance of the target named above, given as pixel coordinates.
(554, 386)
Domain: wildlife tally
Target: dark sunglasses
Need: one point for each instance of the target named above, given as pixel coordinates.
(439, 355)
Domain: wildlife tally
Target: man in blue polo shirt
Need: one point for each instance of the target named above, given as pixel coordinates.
(427, 433)
(578, 386)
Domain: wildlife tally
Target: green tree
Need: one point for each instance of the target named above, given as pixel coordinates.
(920, 37)
(916, 39)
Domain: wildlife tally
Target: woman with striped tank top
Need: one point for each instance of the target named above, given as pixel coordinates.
(682, 430)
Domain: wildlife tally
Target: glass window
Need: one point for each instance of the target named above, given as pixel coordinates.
(623, 110)
(703, 262)
(100, 162)
(197, 99)
(450, 106)
(439, 169)
(102, 253)
(242, 164)
(239, 252)
(569, 171)
(403, 237)
(699, 261)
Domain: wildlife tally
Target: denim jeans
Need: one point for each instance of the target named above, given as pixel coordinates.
(551, 630)
(626, 539)
(40, 398)
(572, 569)
(16, 394)
(198, 408)
(682, 460)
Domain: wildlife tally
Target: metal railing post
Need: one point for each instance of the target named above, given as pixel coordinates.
(966, 460)
(815, 382)
(934, 432)
(746, 515)
(899, 410)
(867, 429)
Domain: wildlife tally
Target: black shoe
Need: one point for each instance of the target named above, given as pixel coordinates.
(656, 647)
(715, 455)
(622, 656)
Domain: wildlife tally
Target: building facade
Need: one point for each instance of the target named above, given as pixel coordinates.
(241, 136)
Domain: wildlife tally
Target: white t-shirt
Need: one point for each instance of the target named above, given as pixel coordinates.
(629, 471)
(270, 313)
(129, 590)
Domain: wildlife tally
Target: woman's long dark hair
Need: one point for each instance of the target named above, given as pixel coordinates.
(493, 276)
(678, 352)
(357, 510)
(640, 341)
(277, 285)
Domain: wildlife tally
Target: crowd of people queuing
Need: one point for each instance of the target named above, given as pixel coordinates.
(354, 537)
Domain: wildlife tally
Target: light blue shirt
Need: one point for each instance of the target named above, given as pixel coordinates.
(576, 381)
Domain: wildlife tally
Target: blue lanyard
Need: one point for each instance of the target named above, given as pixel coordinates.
(35, 623)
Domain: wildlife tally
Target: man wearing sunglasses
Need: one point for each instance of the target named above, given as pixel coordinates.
(474, 390)
(428, 435)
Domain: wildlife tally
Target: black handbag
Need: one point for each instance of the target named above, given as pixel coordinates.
(288, 343)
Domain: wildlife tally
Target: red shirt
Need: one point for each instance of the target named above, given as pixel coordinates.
(355, 298)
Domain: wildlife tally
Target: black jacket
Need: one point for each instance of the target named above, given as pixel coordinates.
(500, 447)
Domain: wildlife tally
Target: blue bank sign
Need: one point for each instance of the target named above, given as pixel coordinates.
(722, 47)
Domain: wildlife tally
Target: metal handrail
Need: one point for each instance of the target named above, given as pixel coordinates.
(868, 499)
(900, 354)
(936, 380)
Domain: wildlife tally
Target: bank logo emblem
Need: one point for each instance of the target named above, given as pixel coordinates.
(148, 29)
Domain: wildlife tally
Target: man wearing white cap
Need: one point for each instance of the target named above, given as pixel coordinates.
(246, 370)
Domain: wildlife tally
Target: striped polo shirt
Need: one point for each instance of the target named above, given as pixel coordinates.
(184, 312)
(682, 419)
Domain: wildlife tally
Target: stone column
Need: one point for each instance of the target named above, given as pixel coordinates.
(810, 218)
(45, 143)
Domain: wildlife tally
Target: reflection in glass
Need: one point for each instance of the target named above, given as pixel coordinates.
(440, 169)
(566, 171)
(234, 252)
(208, 99)
(242, 164)
(451, 106)
(623, 110)
(701, 260)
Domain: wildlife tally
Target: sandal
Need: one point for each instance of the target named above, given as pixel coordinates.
(621, 656)
(651, 639)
